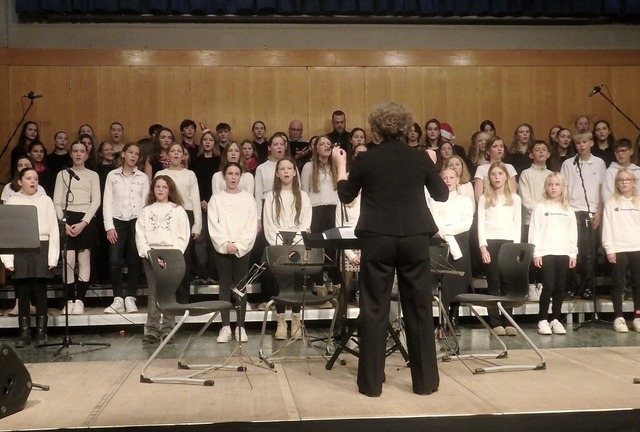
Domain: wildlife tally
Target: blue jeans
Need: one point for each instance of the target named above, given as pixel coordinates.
(126, 245)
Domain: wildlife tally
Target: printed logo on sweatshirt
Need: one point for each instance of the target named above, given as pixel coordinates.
(633, 209)
(160, 222)
(554, 214)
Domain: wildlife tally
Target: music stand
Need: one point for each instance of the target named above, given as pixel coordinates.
(19, 234)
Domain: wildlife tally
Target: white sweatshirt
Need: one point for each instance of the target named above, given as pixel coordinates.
(553, 230)
(247, 183)
(48, 229)
(621, 226)
(231, 218)
(609, 183)
(187, 184)
(85, 193)
(453, 216)
(328, 195)
(286, 222)
(162, 226)
(500, 222)
(265, 175)
(531, 188)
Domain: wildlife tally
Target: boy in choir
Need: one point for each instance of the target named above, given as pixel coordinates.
(623, 150)
(188, 131)
(584, 175)
(531, 189)
(223, 131)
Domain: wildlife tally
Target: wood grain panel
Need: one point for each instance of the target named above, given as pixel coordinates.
(489, 97)
(84, 100)
(544, 107)
(143, 101)
(462, 84)
(333, 89)
(174, 97)
(116, 103)
(626, 95)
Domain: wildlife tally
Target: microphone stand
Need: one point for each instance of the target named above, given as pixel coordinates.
(618, 109)
(66, 339)
(24, 115)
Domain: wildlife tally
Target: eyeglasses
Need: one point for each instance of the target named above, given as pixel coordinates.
(625, 180)
(622, 150)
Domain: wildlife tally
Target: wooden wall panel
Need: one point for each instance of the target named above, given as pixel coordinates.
(83, 100)
(116, 105)
(331, 89)
(462, 88)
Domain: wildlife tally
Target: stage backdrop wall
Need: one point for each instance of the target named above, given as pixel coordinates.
(461, 87)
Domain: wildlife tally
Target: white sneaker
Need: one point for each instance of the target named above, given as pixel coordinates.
(78, 308)
(130, 304)
(557, 327)
(620, 325)
(544, 328)
(249, 306)
(533, 295)
(225, 334)
(539, 289)
(116, 307)
(242, 337)
(636, 324)
(70, 307)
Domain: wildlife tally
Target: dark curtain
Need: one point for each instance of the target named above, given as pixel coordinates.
(445, 8)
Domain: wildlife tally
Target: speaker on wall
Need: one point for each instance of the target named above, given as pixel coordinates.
(15, 382)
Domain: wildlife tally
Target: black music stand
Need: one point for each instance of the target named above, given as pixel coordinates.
(342, 238)
(19, 234)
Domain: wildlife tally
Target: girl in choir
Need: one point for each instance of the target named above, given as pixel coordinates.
(357, 137)
(187, 185)
(31, 271)
(80, 225)
(92, 158)
(494, 152)
(28, 134)
(465, 187)
(250, 155)
(518, 154)
(159, 157)
(561, 150)
(499, 222)
(414, 136)
(318, 181)
(204, 166)
(100, 255)
(7, 192)
(233, 153)
(554, 233)
(38, 154)
(85, 129)
(116, 137)
(265, 173)
(477, 154)
(553, 134)
(126, 189)
(286, 208)
(621, 242)
(432, 139)
(444, 153)
(454, 217)
(603, 142)
(163, 224)
(488, 127)
(232, 224)
(60, 158)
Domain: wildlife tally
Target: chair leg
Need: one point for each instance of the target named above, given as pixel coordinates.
(448, 332)
(261, 355)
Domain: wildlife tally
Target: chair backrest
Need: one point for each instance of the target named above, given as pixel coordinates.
(291, 259)
(168, 267)
(514, 260)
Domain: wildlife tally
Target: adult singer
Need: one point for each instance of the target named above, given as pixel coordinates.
(394, 230)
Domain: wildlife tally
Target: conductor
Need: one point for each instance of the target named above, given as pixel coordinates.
(394, 230)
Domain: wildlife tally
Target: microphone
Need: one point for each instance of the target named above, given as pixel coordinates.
(595, 89)
(72, 174)
(575, 159)
(32, 95)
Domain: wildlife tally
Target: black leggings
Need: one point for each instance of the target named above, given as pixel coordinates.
(32, 288)
(554, 278)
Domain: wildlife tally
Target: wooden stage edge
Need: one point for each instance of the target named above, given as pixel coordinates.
(584, 389)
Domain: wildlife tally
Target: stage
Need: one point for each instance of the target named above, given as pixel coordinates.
(586, 389)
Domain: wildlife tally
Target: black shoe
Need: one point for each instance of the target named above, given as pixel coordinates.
(171, 341)
(587, 294)
(568, 294)
(150, 338)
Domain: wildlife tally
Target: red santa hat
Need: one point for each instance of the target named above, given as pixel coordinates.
(446, 131)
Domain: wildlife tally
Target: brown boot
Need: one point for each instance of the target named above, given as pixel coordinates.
(296, 327)
(281, 330)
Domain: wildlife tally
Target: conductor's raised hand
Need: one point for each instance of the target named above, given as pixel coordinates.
(339, 156)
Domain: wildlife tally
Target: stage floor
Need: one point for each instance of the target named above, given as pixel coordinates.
(95, 394)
